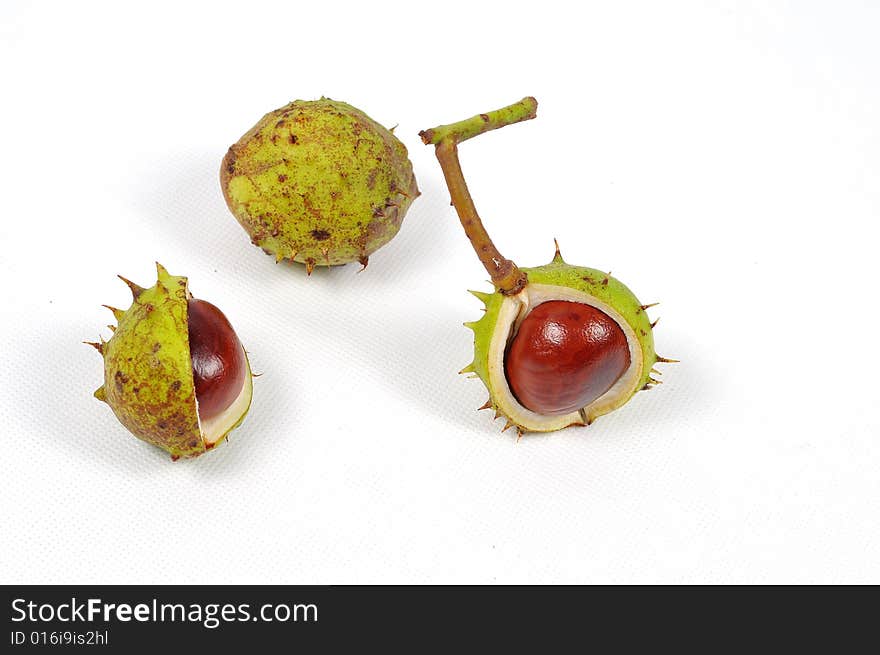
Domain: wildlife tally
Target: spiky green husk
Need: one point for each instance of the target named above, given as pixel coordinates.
(148, 379)
(319, 182)
(563, 281)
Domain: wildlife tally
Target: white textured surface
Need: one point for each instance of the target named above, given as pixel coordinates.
(719, 157)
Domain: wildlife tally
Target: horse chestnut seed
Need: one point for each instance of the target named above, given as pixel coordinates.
(175, 373)
(564, 356)
(218, 362)
(558, 345)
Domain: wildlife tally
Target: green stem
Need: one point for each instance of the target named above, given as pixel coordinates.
(506, 276)
(523, 110)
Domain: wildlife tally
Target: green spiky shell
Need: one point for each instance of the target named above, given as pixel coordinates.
(148, 379)
(319, 182)
(607, 293)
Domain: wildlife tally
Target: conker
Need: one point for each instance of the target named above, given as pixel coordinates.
(175, 373)
(564, 356)
(558, 345)
(218, 362)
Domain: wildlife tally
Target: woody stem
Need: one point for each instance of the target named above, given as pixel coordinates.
(505, 275)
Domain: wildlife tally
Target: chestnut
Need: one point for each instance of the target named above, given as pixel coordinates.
(175, 373)
(564, 356)
(558, 345)
(218, 361)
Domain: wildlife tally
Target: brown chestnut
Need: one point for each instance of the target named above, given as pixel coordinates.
(175, 373)
(564, 356)
(218, 360)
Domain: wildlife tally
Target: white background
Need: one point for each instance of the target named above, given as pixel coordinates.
(721, 158)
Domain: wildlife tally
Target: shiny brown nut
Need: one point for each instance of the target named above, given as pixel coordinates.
(564, 356)
(218, 360)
